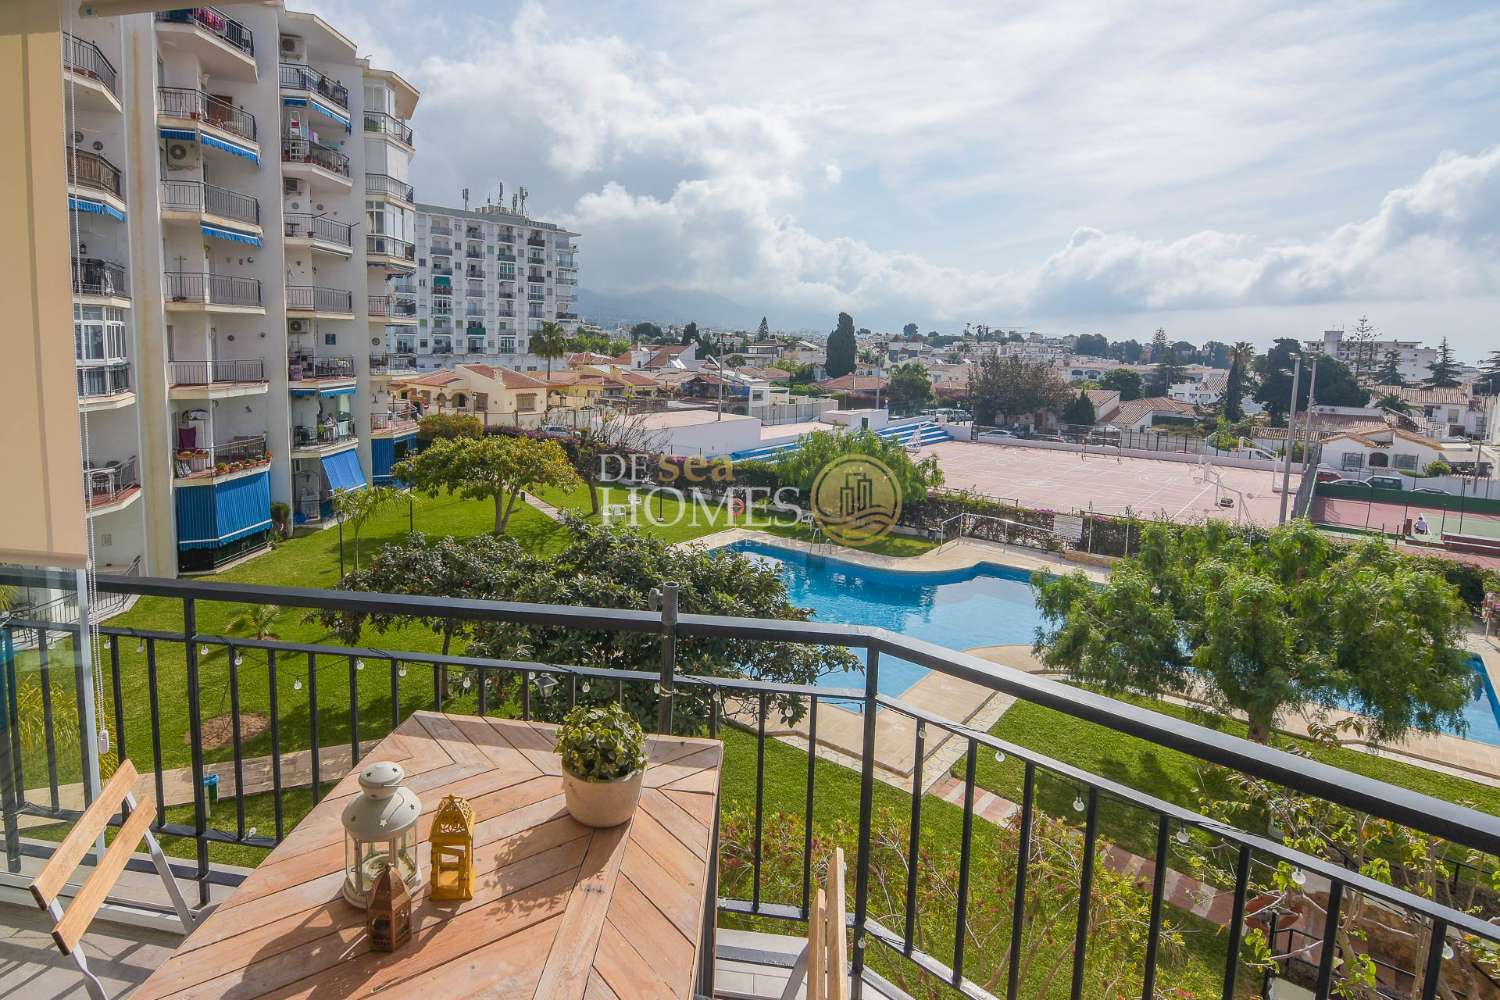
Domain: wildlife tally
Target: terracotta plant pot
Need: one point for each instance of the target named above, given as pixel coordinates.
(602, 803)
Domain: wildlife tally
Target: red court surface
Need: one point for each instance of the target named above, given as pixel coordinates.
(1066, 481)
(1390, 518)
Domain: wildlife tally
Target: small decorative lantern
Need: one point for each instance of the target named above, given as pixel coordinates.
(452, 850)
(380, 831)
(388, 918)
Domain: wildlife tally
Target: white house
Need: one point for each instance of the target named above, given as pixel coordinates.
(1378, 451)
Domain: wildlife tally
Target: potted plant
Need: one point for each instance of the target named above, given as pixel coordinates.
(603, 760)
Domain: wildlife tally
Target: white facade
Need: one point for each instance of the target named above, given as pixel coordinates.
(486, 280)
(1415, 358)
(227, 269)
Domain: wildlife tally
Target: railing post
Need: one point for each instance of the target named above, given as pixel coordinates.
(10, 752)
(195, 736)
(666, 598)
(866, 806)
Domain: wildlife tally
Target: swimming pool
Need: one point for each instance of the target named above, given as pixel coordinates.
(985, 605)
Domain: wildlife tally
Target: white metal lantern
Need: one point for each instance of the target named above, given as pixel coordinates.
(380, 831)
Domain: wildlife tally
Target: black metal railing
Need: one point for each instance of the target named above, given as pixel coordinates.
(195, 105)
(315, 153)
(103, 380)
(87, 59)
(295, 76)
(385, 364)
(385, 124)
(385, 184)
(396, 417)
(328, 430)
(747, 705)
(390, 246)
(95, 276)
(196, 196)
(389, 305)
(536, 241)
(315, 298)
(90, 170)
(300, 366)
(216, 23)
(210, 372)
(210, 289)
(301, 225)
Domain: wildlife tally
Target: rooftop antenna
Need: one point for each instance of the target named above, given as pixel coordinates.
(466, 199)
(524, 192)
(500, 198)
(513, 203)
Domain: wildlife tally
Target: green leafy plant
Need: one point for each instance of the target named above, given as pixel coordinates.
(602, 743)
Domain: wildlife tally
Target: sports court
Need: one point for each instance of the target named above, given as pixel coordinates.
(1391, 518)
(1069, 480)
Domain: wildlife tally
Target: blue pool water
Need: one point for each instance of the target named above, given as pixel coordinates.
(987, 605)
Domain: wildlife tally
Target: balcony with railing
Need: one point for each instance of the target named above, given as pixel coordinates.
(320, 229)
(319, 300)
(185, 104)
(392, 247)
(535, 258)
(103, 380)
(392, 306)
(296, 76)
(93, 172)
(951, 893)
(95, 276)
(330, 429)
(207, 289)
(395, 419)
(108, 485)
(390, 187)
(473, 232)
(216, 23)
(442, 344)
(508, 257)
(474, 253)
(221, 371)
(567, 315)
(303, 367)
(315, 154)
(83, 58)
(391, 364)
(535, 241)
(389, 126)
(209, 199)
(246, 451)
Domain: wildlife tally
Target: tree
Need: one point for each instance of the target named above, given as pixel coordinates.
(1216, 354)
(1336, 385)
(1128, 351)
(1241, 355)
(909, 331)
(1080, 412)
(1010, 387)
(1167, 374)
(1394, 403)
(689, 333)
(549, 343)
(497, 467)
(841, 348)
(1362, 351)
(1159, 345)
(1185, 352)
(1488, 383)
(763, 332)
(599, 566)
(1267, 627)
(437, 426)
(910, 387)
(356, 507)
(646, 332)
(1443, 368)
(1125, 381)
(1389, 372)
(816, 450)
(1093, 345)
(613, 431)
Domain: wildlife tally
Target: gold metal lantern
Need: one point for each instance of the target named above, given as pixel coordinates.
(380, 831)
(452, 842)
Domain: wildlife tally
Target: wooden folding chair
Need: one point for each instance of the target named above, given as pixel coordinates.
(69, 924)
(824, 962)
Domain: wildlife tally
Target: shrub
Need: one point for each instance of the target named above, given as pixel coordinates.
(602, 743)
(436, 426)
(1438, 467)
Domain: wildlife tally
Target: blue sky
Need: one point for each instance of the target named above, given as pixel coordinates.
(1226, 170)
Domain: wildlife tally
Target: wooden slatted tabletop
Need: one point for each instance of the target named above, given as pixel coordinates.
(560, 910)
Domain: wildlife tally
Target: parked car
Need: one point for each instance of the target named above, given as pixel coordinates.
(1328, 476)
(1387, 482)
(1431, 489)
(997, 436)
(556, 430)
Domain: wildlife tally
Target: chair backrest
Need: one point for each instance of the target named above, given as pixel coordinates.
(827, 937)
(71, 923)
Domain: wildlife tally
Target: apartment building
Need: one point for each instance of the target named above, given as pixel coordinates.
(486, 280)
(242, 224)
(1368, 356)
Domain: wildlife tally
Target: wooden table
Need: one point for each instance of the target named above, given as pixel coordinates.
(560, 910)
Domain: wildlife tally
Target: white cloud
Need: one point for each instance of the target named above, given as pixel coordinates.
(832, 172)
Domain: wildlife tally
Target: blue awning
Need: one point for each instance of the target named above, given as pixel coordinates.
(229, 147)
(338, 390)
(343, 472)
(230, 234)
(382, 457)
(215, 514)
(321, 108)
(191, 135)
(93, 207)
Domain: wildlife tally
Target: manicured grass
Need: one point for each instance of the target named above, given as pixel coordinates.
(658, 514)
(901, 546)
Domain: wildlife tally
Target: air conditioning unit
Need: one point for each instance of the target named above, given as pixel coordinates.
(296, 325)
(292, 46)
(291, 185)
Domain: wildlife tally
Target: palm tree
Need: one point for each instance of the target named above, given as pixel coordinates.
(550, 342)
(257, 621)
